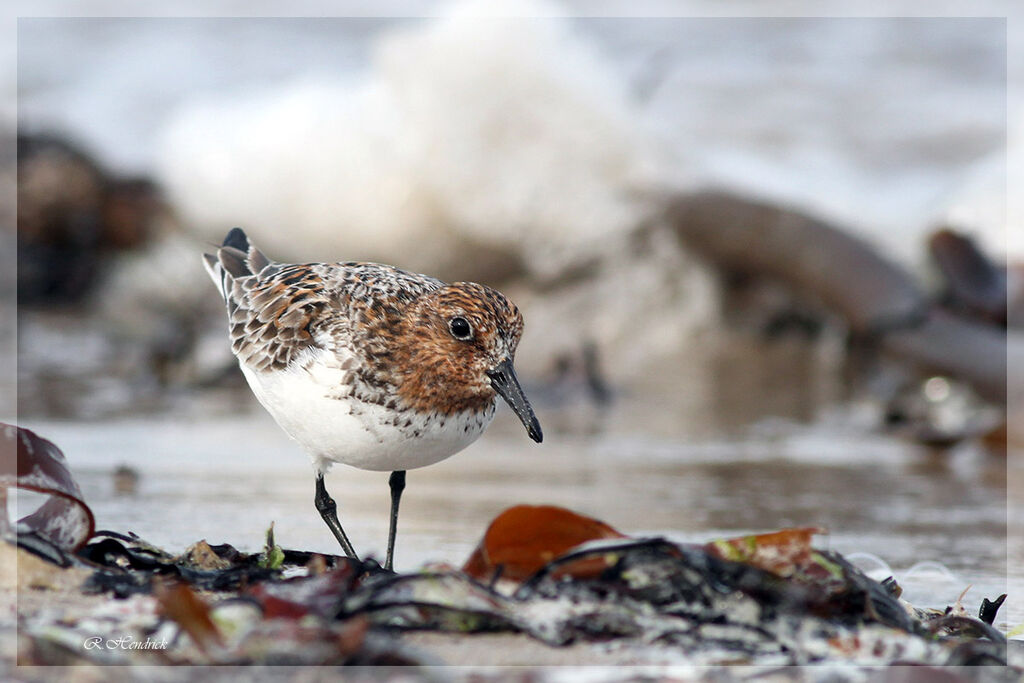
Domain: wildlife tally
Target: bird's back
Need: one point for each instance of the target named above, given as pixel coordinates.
(276, 310)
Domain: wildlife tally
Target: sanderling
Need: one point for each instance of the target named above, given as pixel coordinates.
(368, 365)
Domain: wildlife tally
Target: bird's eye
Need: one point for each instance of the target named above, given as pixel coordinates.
(460, 328)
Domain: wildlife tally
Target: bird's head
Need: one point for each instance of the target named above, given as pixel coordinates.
(462, 341)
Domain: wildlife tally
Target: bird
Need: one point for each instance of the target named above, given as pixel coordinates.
(369, 365)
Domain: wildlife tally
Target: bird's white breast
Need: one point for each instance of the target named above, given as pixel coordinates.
(312, 402)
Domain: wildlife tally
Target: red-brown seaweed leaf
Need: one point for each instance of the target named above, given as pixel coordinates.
(64, 520)
(524, 538)
(180, 603)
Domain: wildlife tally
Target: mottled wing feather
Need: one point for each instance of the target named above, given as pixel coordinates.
(278, 311)
(269, 322)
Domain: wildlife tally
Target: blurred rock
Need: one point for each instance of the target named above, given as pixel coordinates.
(126, 479)
(105, 269)
(972, 284)
(1015, 295)
(72, 215)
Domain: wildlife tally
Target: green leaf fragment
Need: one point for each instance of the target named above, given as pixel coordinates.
(828, 565)
(272, 556)
(728, 551)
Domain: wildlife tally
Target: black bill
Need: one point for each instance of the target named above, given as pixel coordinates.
(505, 382)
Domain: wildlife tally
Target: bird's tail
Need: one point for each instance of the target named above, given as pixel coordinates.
(235, 259)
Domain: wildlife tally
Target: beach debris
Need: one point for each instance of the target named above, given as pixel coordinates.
(524, 538)
(125, 564)
(64, 522)
(272, 556)
(762, 599)
(662, 594)
(551, 573)
(296, 597)
(201, 556)
(180, 603)
(780, 552)
(989, 608)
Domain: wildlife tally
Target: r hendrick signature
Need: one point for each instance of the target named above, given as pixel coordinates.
(123, 643)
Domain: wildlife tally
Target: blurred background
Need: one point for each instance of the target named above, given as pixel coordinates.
(763, 264)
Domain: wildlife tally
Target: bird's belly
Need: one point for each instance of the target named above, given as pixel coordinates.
(363, 435)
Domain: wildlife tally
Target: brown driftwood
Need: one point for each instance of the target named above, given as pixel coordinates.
(876, 297)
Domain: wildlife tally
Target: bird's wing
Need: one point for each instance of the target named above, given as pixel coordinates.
(278, 311)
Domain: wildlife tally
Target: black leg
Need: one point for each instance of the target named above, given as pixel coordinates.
(397, 484)
(328, 509)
